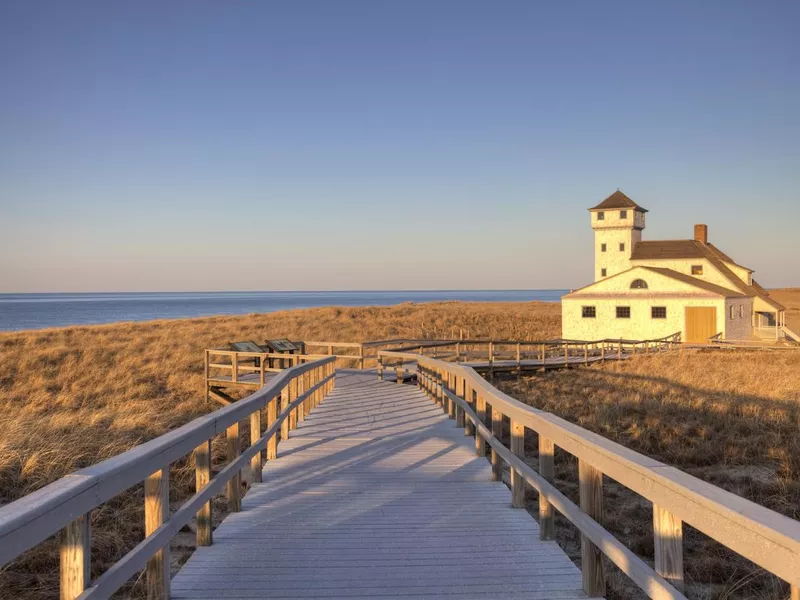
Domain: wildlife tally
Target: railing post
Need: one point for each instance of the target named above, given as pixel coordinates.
(451, 387)
(458, 352)
(460, 393)
(380, 368)
(205, 375)
(256, 463)
(295, 387)
(156, 513)
(497, 426)
(480, 409)
(75, 560)
(272, 416)
(202, 476)
(234, 367)
(668, 541)
(469, 426)
(519, 358)
(547, 530)
(591, 494)
(398, 370)
(440, 383)
(518, 448)
(361, 357)
(234, 484)
(284, 406)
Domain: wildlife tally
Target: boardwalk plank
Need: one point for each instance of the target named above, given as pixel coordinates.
(377, 494)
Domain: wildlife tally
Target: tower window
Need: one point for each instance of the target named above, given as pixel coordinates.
(733, 315)
(588, 312)
(623, 312)
(601, 216)
(622, 247)
(623, 214)
(638, 284)
(603, 272)
(697, 269)
(602, 247)
(741, 311)
(658, 312)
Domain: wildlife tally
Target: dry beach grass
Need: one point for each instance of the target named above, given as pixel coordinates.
(74, 396)
(731, 418)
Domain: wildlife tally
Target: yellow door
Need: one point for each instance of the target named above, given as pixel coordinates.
(701, 323)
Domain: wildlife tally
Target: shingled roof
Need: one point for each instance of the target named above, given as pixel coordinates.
(671, 249)
(618, 200)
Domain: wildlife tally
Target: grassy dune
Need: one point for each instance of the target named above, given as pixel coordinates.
(74, 396)
(731, 418)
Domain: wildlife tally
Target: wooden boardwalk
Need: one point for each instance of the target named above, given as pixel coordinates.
(378, 494)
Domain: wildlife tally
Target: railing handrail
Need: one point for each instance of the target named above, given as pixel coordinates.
(763, 536)
(31, 519)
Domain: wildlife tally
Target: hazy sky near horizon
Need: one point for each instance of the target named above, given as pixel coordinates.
(199, 145)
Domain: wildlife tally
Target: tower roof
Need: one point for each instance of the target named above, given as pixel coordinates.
(618, 200)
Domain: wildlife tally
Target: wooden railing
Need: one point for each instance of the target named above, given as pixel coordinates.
(551, 351)
(234, 363)
(763, 536)
(65, 506)
(329, 349)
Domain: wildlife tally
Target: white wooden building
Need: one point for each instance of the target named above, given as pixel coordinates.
(650, 289)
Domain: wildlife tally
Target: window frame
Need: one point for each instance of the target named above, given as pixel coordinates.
(653, 310)
(623, 214)
(623, 309)
(601, 215)
(587, 309)
(603, 272)
(622, 246)
(633, 285)
(696, 269)
(603, 247)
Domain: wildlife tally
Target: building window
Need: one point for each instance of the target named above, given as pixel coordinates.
(602, 272)
(601, 216)
(622, 247)
(658, 312)
(623, 312)
(697, 269)
(733, 315)
(602, 247)
(638, 284)
(623, 214)
(741, 311)
(588, 312)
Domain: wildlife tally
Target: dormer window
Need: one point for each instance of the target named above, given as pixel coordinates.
(623, 214)
(601, 216)
(638, 284)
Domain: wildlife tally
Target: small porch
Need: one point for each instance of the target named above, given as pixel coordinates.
(768, 325)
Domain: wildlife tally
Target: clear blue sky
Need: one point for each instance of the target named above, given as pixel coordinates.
(387, 145)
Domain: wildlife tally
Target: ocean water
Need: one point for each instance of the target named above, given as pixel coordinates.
(37, 311)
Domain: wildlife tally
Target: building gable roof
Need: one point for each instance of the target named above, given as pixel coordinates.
(694, 281)
(677, 249)
(618, 200)
(688, 279)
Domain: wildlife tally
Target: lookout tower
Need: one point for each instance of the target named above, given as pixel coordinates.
(617, 222)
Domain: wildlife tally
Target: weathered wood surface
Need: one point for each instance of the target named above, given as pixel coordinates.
(377, 493)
